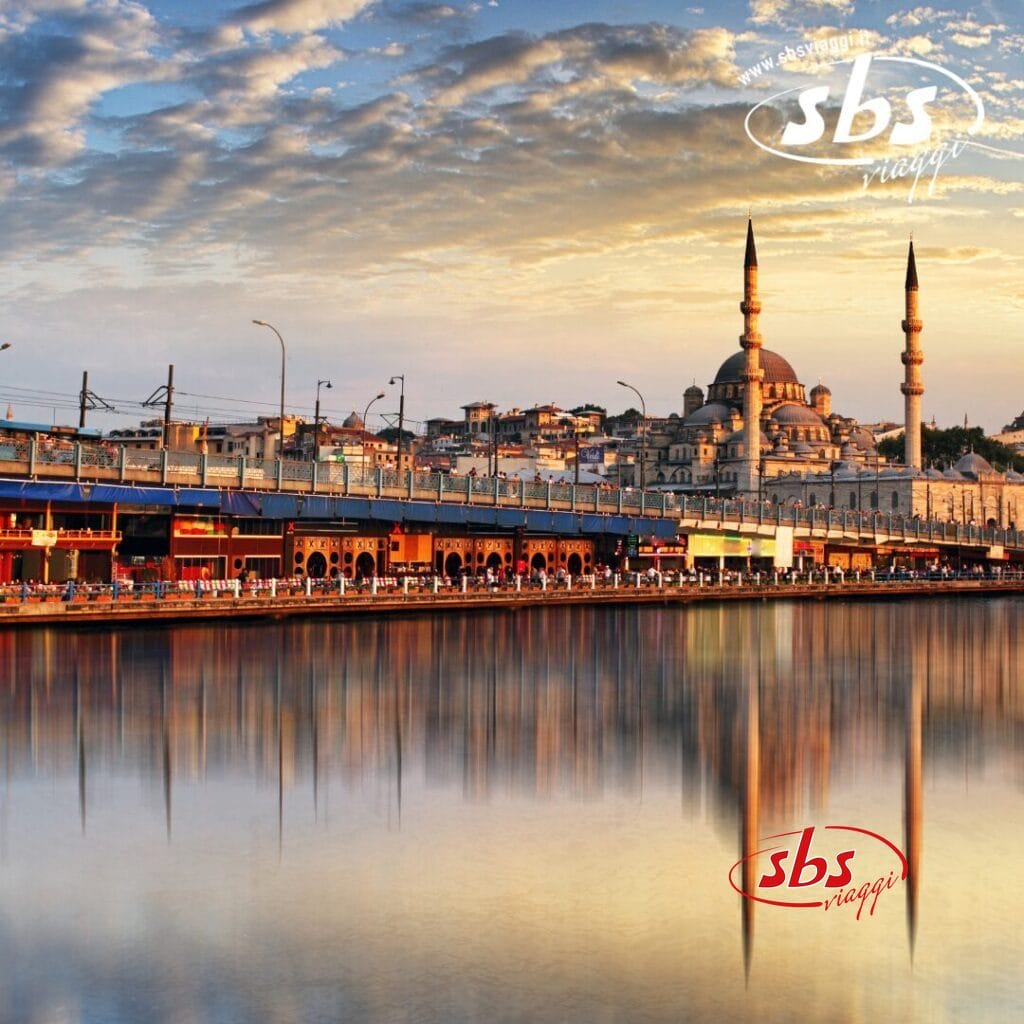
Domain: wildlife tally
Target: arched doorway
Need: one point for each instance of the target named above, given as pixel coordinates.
(452, 564)
(365, 565)
(494, 561)
(539, 562)
(575, 565)
(316, 565)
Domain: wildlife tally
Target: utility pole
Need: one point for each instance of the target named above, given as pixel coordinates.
(164, 393)
(87, 400)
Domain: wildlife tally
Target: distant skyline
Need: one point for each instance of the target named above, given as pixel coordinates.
(515, 202)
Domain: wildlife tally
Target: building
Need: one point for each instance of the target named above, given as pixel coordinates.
(731, 440)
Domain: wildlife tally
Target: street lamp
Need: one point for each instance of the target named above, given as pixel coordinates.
(316, 413)
(366, 411)
(643, 429)
(263, 323)
(401, 419)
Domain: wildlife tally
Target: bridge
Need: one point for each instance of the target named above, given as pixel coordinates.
(99, 474)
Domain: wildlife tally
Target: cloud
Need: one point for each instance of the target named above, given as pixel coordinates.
(767, 12)
(424, 13)
(625, 55)
(291, 17)
(50, 80)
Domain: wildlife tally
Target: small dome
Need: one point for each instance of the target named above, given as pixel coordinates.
(692, 391)
(713, 412)
(952, 474)
(820, 389)
(802, 448)
(849, 450)
(862, 438)
(791, 414)
(353, 421)
(1013, 476)
(974, 464)
(776, 369)
(932, 473)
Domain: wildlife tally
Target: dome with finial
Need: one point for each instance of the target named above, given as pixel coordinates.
(353, 421)
(819, 389)
(972, 463)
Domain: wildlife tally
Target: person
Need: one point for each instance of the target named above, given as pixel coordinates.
(243, 576)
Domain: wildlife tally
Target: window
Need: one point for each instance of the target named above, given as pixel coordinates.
(895, 500)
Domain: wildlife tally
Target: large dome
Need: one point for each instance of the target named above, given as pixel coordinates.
(776, 369)
(789, 414)
(713, 412)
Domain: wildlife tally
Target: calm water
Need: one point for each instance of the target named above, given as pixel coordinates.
(530, 817)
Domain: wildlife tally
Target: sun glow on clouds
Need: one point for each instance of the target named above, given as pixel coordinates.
(549, 194)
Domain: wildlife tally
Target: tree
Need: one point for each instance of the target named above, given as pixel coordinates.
(579, 410)
(945, 447)
(390, 434)
(631, 415)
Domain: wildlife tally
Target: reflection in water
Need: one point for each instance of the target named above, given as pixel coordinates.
(766, 716)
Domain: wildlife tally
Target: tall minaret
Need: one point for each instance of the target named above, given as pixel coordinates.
(913, 357)
(753, 375)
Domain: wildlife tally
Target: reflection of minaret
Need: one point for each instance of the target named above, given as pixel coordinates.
(912, 357)
(279, 729)
(750, 806)
(166, 730)
(752, 375)
(314, 713)
(80, 739)
(912, 806)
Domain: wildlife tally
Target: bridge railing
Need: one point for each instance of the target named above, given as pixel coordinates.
(85, 460)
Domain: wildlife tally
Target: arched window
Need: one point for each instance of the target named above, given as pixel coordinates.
(895, 500)
(853, 499)
(812, 498)
(874, 499)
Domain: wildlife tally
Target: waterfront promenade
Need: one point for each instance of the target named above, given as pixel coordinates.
(274, 599)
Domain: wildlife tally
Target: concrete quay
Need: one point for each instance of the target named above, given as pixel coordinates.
(147, 609)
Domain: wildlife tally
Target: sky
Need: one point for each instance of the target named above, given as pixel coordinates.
(514, 201)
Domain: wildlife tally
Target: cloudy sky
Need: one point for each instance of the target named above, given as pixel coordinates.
(519, 201)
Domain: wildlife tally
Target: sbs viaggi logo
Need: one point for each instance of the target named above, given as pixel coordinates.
(836, 868)
(897, 117)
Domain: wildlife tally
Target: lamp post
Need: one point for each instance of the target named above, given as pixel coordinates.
(263, 323)
(366, 411)
(401, 420)
(316, 413)
(643, 429)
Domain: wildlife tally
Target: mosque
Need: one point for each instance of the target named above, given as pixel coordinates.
(761, 436)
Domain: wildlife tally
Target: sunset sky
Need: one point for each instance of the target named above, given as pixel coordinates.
(518, 201)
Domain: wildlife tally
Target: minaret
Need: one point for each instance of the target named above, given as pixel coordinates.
(913, 357)
(753, 375)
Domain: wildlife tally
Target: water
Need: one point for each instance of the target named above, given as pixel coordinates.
(525, 817)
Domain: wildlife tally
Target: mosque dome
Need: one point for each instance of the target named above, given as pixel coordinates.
(693, 390)
(776, 369)
(973, 464)
(819, 389)
(791, 414)
(862, 438)
(713, 412)
(353, 421)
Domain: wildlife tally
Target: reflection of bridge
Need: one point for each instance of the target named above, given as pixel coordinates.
(98, 474)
